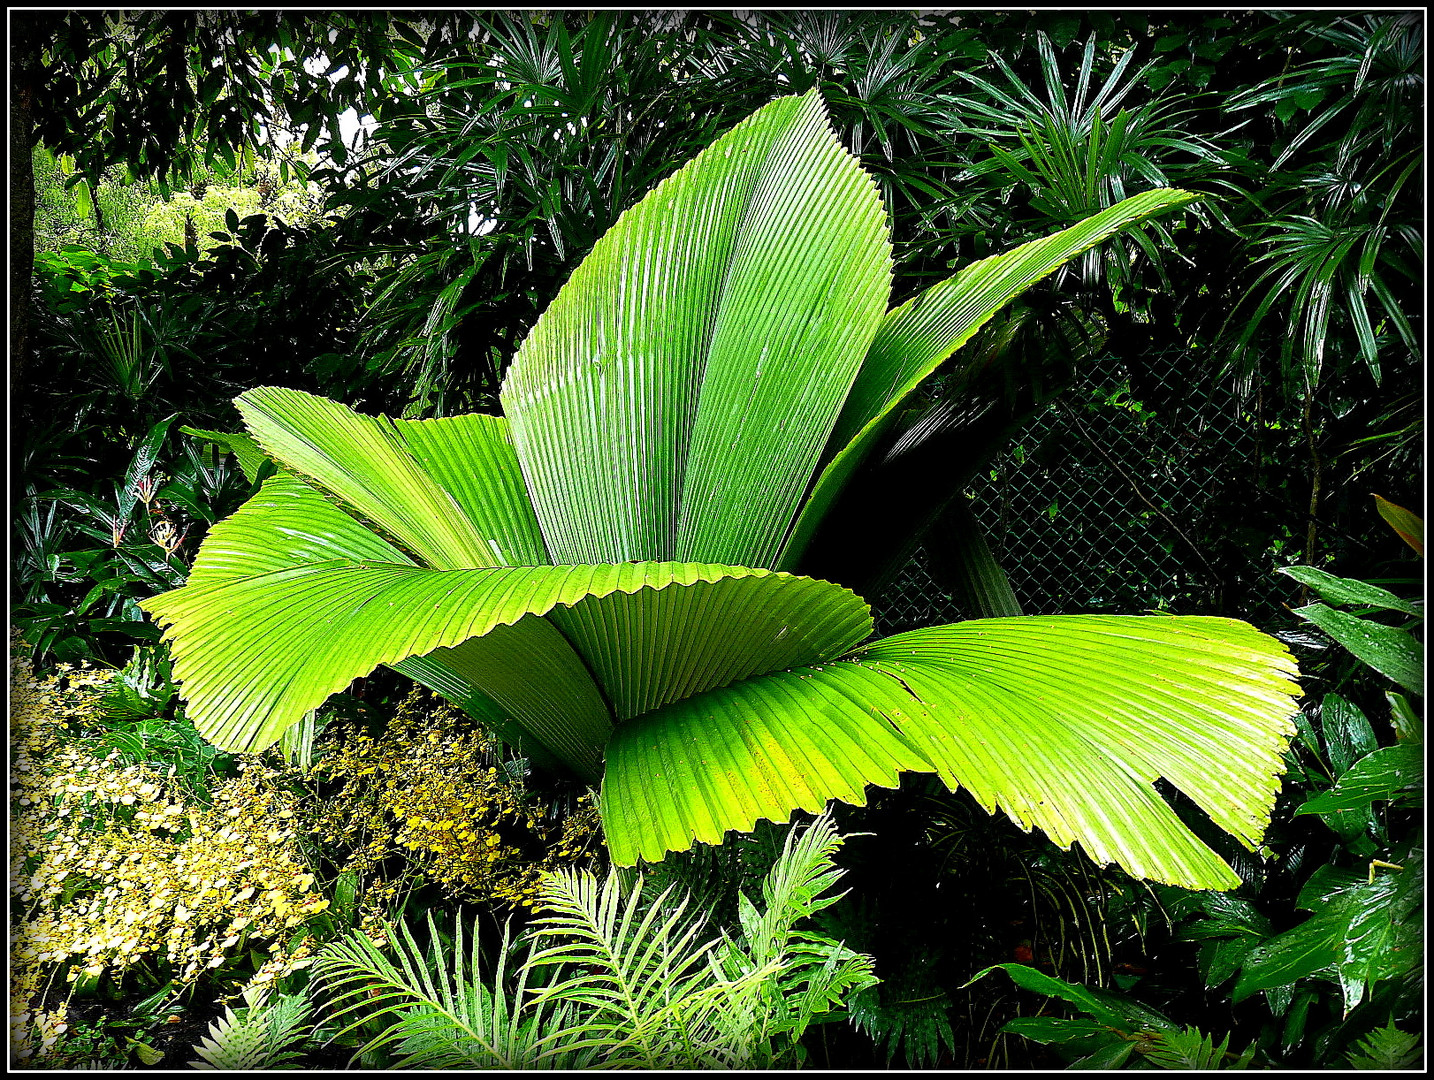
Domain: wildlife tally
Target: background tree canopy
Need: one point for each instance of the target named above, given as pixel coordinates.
(376, 207)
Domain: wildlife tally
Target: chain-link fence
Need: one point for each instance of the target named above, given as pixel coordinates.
(1127, 495)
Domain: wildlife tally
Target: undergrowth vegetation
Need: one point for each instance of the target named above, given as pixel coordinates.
(434, 791)
(127, 878)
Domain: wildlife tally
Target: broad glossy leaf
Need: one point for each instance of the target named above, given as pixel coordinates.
(674, 403)
(1219, 960)
(1354, 936)
(442, 679)
(1064, 723)
(673, 400)
(472, 457)
(1109, 1009)
(651, 647)
(465, 467)
(1060, 1029)
(1379, 775)
(919, 334)
(724, 759)
(1338, 590)
(1390, 651)
(566, 678)
(287, 523)
(1348, 735)
(1112, 1056)
(1408, 724)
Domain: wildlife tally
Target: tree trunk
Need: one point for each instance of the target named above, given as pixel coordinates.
(1316, 478)
(100, 244)
(24, 73)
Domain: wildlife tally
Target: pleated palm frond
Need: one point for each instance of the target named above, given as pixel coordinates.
(603, 575)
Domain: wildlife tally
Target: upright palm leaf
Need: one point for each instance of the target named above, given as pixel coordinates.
(599, 575)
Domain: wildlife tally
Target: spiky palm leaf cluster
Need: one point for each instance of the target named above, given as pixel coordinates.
(613, 978)
(264, 1034)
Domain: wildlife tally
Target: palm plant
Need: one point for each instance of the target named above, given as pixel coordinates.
(614, 978)
(605, 575)
(1079, 152)
(1339, 248)
(1338, 254)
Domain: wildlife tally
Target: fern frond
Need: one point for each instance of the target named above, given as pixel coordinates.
(1190, 1048)
(811, 974)
(638, 965)
(1387, 1048)
(914, 1019)
(260, 1036)
(443, 1015)
(612, 978)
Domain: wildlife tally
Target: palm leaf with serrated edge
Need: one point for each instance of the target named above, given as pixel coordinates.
(595, 574)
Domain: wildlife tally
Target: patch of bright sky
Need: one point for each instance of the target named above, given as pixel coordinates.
(355, 130)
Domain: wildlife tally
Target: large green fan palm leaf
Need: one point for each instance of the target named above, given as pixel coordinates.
(597, 575)
(1063, 722)
(915, 338)
(672, 400)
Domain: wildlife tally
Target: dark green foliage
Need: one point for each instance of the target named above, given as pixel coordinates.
(85, 557)
(940, 889)
(485, 153)
(908, 1014)
(1339, 190)
(1119, 1031)
(158, 91)
(716, 876)
(1387, 1048)
(144, 721)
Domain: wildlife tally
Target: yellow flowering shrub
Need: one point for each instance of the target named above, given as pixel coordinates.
(436, 792)
(116, 864)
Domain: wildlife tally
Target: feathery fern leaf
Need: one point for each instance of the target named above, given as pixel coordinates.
(442, 1015)
(1189, 1048)
(637, 968)
(260, 1036)
(1387, 1048)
